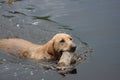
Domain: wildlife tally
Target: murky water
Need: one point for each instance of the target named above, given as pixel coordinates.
(91, 22)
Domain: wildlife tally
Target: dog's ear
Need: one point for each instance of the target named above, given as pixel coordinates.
(50, 47)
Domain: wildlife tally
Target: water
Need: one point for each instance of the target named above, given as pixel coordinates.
(93, 21)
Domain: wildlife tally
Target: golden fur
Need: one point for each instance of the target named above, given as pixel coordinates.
(51, 50)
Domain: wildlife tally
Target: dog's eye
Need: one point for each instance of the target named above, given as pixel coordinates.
(62, 40)
(70, 38)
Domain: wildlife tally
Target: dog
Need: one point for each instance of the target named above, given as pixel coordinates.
(53, 49)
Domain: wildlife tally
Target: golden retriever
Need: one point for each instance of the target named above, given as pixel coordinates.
(53, 49)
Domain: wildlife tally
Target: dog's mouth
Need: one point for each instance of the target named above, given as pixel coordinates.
(72, 49)
(62, 51)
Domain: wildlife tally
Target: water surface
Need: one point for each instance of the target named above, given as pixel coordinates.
(96, 22)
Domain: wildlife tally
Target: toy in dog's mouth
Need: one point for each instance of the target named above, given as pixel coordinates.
(66, 59)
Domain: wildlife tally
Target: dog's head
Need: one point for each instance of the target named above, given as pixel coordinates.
(63, 42)
(60, 43)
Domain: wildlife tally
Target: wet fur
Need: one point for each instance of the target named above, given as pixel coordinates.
(51, 50)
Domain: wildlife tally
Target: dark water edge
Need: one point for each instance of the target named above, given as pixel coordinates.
(92, 22)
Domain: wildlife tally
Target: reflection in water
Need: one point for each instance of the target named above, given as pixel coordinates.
(68, 72)
(17, 12)
(2, 2)
(47, 18)
(30, 8)
(66, 28)
(8, 16)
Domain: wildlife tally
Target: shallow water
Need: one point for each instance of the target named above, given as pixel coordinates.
(93, 21)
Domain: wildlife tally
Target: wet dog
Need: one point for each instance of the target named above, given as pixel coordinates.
(53, 49)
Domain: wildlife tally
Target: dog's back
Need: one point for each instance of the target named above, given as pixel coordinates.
(9, 44)
(17, 46)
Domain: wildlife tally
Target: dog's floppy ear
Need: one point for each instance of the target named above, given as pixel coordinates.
(50, 47)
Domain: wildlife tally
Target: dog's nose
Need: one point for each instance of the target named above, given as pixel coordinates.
(73, 48)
